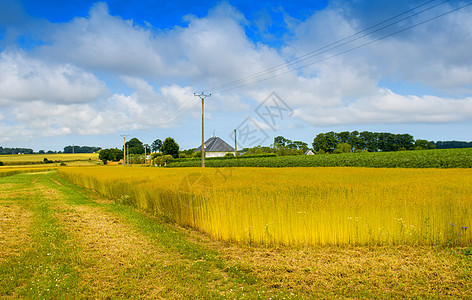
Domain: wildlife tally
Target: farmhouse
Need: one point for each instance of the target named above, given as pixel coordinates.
(309, 152)
(216, 147)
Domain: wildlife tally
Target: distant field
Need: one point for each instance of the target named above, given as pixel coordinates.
(15, 159)
(8, 171)
(444, 158)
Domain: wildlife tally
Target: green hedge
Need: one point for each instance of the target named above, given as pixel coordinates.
(444, 158)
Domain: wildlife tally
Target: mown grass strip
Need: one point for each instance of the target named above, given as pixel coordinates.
(197, 272)
(46, 268)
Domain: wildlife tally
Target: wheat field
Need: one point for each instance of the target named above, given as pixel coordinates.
(298, 206)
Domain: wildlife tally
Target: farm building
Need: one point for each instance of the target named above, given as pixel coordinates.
(216, 147)
(309, 152)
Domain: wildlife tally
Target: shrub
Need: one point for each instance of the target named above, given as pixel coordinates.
(161, 161)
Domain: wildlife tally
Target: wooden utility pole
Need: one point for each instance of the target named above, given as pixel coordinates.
(145, 155)
(127, 154)
(124, 148)
(235, 145)
(203, 96)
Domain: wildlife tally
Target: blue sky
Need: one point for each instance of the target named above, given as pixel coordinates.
(86, 72)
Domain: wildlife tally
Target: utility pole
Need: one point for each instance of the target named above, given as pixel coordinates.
(202, 96)
(127, 155)
(124, 148)
(235, 145)
(145, 154)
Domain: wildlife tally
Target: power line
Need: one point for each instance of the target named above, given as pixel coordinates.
(344, 52)
(337, 44)
(242, 82)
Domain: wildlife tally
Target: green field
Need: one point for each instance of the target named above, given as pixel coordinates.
(444, 158)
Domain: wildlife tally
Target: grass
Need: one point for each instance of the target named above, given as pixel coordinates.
(74, 244)
(299, 206)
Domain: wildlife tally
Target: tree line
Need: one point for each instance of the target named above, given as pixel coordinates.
(338, 142)
(4, 151)
(81, 149)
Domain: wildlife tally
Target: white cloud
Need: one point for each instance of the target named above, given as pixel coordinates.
(23, 78)
(390, 108)
(56, 90)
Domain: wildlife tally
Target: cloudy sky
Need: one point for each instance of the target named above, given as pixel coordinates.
(84, 72)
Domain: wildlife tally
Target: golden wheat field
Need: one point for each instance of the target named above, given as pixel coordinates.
(299, 206)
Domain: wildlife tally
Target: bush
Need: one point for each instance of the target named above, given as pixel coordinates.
(154, 155)
(229, 155)
(1, 163)
(161, 161)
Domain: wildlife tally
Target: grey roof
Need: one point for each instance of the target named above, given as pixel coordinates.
(215, 144)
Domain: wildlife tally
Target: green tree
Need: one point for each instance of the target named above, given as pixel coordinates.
(112, 154)
(135, 146)
(368, 141)
(170, 147)
(342, 148)
(156, 145)
(325, 141)
(280, 141)
(423, 145)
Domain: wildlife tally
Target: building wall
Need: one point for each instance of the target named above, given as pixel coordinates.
(216, 154)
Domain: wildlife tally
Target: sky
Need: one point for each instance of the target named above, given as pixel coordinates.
(86, 73)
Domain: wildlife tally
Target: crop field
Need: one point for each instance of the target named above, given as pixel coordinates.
(444, 158)
(299, 206)
(39, 158)
(61, 241)
(8, 171)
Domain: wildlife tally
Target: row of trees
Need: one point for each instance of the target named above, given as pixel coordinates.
(80, 149)
(452, 144)
(4, 151)
(346, 141)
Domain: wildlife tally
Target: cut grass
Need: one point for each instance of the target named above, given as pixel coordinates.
(83, 246)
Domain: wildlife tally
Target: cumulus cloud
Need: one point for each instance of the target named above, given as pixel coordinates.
(23, 78)
(390, 108)
(59, 88)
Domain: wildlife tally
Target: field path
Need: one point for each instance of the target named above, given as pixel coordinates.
(93, 249)
(58, 240)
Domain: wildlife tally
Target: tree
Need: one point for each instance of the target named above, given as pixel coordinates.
(325, 141)
(368, 141)
(404, 141)
(156, 145)
(135, 146)
(106, 155)
(281, 141)
(170, 147)
(342, 148)
(423, 145)
(343, 137)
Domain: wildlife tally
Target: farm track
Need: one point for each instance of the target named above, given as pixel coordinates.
(58, 240)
